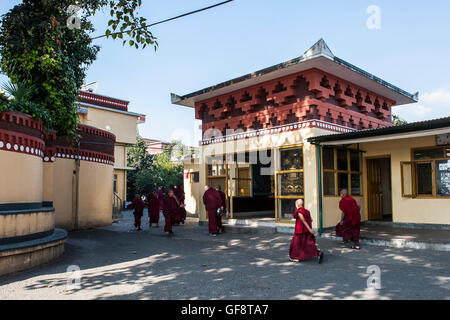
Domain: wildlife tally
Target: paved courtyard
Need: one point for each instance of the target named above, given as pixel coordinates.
(117, 263)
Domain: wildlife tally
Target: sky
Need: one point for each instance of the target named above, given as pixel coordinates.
(409, 48)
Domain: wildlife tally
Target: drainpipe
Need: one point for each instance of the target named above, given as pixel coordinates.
(77, 186)
(319, 164)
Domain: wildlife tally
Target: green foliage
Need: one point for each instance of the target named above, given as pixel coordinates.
(40, 51)
(20, 101)
(162, 173)
(152, 171)
(397, 121)
(136, 156)
(125, 23)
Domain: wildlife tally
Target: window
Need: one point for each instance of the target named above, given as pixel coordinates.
(244, 182)
(341, 170)
(195, 177)
(115, 183)
(289, 180)
(217, 172)
(428, 175)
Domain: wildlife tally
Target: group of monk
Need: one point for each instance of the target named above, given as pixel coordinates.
(303, 244)
(170, 204)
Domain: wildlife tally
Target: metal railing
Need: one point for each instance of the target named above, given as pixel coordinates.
(118, 206)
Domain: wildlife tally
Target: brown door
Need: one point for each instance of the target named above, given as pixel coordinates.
(374, 193)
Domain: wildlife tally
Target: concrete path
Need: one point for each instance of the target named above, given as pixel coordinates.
(117, 263)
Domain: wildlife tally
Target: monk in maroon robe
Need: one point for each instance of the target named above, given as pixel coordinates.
(224, 206)
(170, 211)
(303, 243)
(350, 219)
(138, 205)
(179, 194)
(212, 202)
(153, 209)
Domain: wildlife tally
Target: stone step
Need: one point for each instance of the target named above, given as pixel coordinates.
(244, 229)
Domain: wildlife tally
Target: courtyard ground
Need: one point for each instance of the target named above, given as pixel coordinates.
(118, 263)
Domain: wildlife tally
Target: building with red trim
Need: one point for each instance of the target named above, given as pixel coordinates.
(257, 132)
(113, 115)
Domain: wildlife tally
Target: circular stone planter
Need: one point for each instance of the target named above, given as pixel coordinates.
(27, 223)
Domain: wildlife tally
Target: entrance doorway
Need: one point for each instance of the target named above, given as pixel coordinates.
(379, 189)
(252, 185)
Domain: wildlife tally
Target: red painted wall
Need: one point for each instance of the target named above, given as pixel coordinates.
(311, 94)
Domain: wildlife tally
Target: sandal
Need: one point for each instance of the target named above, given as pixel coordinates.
(320, 260)
(356, 247)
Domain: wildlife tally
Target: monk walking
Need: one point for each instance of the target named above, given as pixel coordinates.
(138, 205)
(303, 243)
(170, 211)
(153, 209)
(350, 219)
(212, 202)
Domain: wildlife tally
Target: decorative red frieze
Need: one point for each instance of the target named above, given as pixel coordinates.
(102, 101)
(307, 95)
(278, 129)
(95, 145)
(21, 133)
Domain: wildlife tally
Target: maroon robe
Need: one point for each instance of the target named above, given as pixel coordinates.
(153, 210)
(160, 195)
(181, 214)
(212, 202)
(138, 205)
(303, 243)
(224, 205)
(352, 219)
(170, 209)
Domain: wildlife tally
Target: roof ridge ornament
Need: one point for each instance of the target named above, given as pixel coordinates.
(320, 48)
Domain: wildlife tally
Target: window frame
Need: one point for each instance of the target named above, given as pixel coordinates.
(349, 172)
(278, 171)
(191, 176)
(433, 162)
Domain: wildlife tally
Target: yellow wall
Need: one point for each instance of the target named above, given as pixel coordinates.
(121, 183)
(64, 192)
(120, 124)
(120, 162)
(193, 191)
(21, 177)
(95, 193)
(331, 213)
(120, 156)
(408, 210)
(124, 126)
(48, 181)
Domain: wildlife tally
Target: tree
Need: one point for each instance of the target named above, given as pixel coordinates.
(45, 46)
(153, 171)
(397, 121)
(161, 174)
(136, 158)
